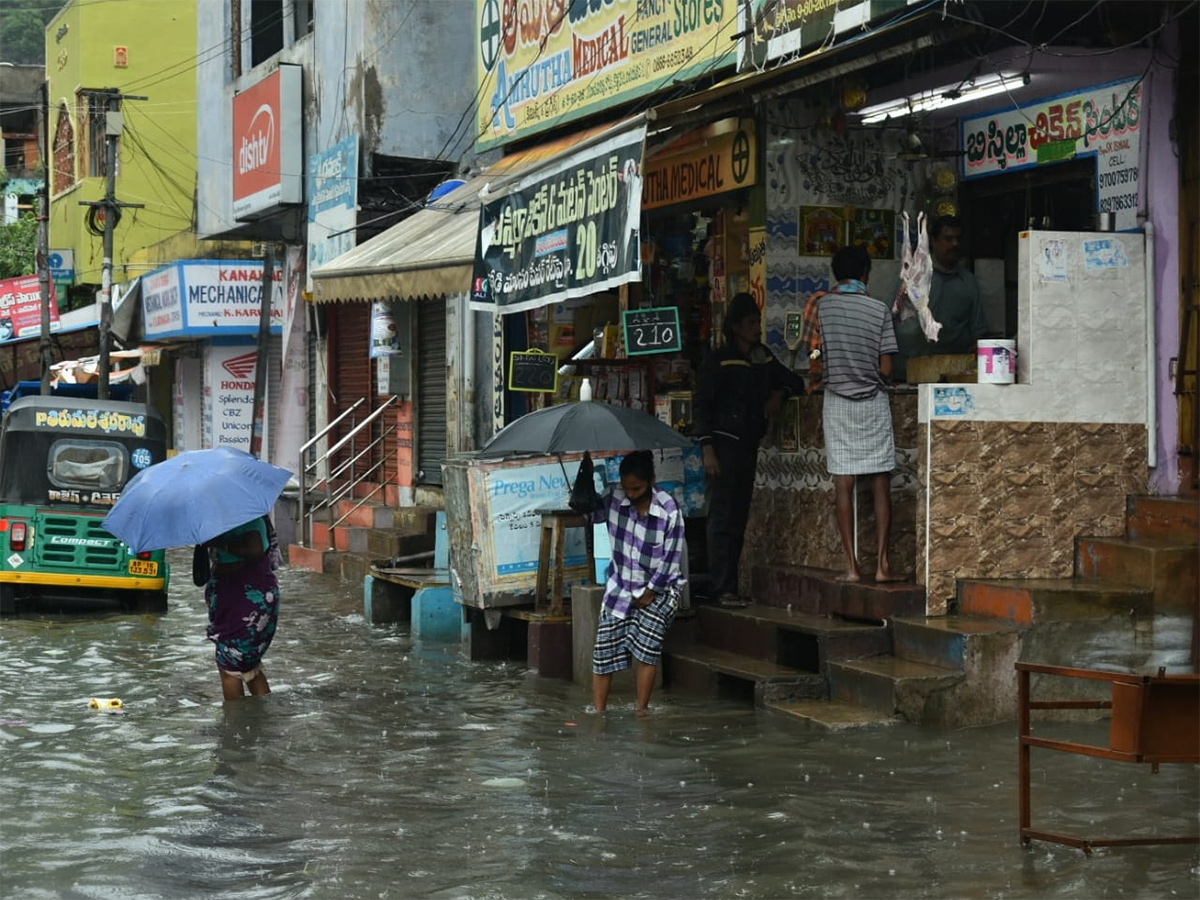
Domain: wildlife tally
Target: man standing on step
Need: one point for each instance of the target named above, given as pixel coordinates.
(857, 344)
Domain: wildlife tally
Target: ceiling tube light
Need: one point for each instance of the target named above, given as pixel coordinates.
(940, 98)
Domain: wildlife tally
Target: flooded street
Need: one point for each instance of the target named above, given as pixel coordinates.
(381, 767)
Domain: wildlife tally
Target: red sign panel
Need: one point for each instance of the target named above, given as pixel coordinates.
(267, 141)
(21, 308)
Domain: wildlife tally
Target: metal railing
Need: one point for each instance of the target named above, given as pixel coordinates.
(342, 479)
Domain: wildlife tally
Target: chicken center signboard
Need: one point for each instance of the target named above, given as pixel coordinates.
(268, 162)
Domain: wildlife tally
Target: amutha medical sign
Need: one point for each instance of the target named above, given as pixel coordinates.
(268, 164)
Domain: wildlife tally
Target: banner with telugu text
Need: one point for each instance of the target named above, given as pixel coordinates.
(541, 63)
(565, 230)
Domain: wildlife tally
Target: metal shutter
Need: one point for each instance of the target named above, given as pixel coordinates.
(431, 389)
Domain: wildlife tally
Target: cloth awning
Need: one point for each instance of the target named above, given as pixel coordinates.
(432, 252)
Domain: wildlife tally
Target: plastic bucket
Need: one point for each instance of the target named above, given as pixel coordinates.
(996, 362)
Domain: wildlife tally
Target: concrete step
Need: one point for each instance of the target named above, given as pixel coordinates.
(1169, 569)
(818, 591)
(946, 641)
(732, 676)
(831, 715)
(387, 543)
(788, 637)
(354, 567)
(890, 685)
(1030, 601)
(1172, 519)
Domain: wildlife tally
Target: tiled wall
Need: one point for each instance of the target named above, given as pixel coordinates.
(1008, 499)
(792, 519)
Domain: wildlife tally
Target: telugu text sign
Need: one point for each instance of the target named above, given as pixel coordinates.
(1104, 122)
(332, 203)
(545, 62)
(567, 229)
(21, 307)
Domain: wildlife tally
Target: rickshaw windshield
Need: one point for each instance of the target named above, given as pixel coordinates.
(100, 465)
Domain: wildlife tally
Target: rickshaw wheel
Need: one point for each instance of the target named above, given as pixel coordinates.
(151, 601)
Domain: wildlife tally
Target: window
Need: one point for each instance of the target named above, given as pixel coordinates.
(64, 151)
(271, 26)
(95, 161)
(266, 30)
(92, 465)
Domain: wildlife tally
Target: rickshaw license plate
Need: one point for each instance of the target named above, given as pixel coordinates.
(142, 567)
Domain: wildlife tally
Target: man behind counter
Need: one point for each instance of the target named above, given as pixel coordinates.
(953, 300)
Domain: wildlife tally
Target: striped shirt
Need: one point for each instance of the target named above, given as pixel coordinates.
(647, 550)
(855, 331)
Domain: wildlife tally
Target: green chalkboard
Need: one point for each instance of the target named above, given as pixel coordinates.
(533, 371)
(652, 330)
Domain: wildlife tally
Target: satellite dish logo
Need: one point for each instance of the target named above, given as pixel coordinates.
(241, 367)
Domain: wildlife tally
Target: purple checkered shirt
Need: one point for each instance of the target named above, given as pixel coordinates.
(647, 551)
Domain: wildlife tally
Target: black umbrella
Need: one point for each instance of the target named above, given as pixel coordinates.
(585, 425)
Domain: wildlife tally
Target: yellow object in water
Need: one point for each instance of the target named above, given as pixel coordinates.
(106, 703)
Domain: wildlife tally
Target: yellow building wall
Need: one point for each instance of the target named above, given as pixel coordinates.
(157, 156)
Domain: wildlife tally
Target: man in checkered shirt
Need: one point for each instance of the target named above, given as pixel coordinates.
(644, 579)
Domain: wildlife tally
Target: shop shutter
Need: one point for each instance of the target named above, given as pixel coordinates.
(350, 369)
(431, 389)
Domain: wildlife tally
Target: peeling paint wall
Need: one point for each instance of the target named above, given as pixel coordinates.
(399, 73)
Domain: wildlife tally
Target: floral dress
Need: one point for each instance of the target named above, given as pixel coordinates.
(243, 607)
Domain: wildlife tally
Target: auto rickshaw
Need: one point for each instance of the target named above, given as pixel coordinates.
(63, 464)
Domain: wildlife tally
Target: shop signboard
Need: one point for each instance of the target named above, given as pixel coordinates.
(62, 266)
(229, 392)
(1104, 122)
(332, 203)
(21, 308)
(567, 229)
(268, 165)
(516, 497)
(785, 27)
(702, 165)
(542, 63)
(206, 298)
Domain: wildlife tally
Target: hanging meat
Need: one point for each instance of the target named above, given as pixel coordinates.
(916, 277)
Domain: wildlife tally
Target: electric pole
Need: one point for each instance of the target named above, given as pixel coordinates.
(43, 239)
(260, 362)
(113, 126)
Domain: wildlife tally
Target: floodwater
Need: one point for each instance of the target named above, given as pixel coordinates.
(383, 767)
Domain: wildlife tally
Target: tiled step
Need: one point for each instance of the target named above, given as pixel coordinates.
(890, 685)
(1172, 519)
(831, 715)
(1030, 601)
(719, 673)
(788, 637)
(1169, 569)
(371, 514)
(950, 642)
(818, 591)
(314, 559)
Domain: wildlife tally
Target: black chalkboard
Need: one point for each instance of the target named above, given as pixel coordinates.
(652, 330)
(533, 371)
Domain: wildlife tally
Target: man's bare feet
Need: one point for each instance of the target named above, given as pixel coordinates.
(883, 576)
(849, 577)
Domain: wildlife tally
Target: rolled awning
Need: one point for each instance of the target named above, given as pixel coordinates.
(432, 252)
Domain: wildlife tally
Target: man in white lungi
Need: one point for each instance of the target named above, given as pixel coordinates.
(857, 342)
